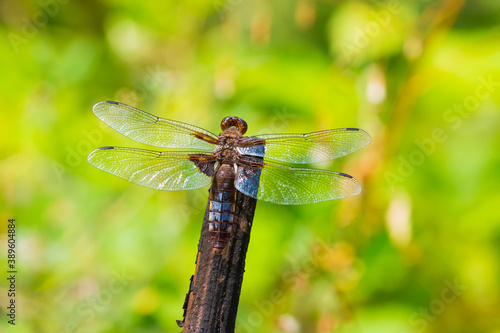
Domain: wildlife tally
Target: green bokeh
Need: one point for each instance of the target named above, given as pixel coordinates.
(98, 254)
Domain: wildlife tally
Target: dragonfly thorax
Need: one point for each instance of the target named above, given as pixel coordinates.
(228, 141)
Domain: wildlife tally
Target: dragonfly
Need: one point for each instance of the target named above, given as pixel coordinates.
(228, 162)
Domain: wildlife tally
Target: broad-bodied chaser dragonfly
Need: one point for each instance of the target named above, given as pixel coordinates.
(228, 162)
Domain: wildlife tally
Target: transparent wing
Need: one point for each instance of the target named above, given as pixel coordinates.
(146, 128)
(167, 171)
(280, 184)
(306, 148)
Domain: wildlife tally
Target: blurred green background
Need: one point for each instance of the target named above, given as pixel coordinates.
(417, 251)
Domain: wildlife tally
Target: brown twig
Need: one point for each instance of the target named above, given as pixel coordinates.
(212, 301)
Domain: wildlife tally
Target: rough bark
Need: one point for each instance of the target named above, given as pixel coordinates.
(212, 302)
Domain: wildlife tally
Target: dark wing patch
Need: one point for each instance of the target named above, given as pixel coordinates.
(248, 175)
(204, 163)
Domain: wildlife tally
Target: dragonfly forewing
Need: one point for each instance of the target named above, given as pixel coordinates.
(306, 148)
(146, 128)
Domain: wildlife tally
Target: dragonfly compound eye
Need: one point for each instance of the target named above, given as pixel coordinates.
(234, 121)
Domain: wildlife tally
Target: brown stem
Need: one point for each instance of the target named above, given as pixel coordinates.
(212, 301)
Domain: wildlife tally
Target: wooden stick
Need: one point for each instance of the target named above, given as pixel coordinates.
(212, 301)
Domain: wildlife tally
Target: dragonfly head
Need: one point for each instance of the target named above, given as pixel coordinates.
(228, 122)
